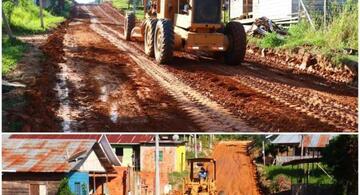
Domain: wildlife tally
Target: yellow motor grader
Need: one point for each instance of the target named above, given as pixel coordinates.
(194, 184)
(186, 25)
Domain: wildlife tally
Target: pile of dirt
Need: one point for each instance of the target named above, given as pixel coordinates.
(301, 61)
(41, 96)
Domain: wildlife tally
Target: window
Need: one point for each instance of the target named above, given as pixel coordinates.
(119, 151)
(38, 189)
(77, 188)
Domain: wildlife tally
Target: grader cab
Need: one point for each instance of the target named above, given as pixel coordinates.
(186, 25)
(194, 184)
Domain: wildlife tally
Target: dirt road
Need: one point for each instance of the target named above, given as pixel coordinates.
(93, 80)
(235, 172)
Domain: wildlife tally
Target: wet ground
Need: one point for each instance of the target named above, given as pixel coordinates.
(235, 174)
(93, 80)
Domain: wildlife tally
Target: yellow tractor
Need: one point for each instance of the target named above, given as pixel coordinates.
(188, 25)
(202, 178)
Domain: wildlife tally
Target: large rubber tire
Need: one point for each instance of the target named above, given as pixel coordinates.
(236, 34)
(164, 41)
(150, 25)
(129, 24)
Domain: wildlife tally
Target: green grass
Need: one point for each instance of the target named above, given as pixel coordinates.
(12, 52)
(24, 17)
(123, 5)
(340, 33)
(317, 176)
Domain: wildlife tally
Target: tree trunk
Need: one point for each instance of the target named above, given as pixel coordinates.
(41, 13)
(7, 26)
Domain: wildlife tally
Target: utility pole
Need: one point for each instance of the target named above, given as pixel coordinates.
(157, 167)
(263, 151)
(195, 146)
(41, 13)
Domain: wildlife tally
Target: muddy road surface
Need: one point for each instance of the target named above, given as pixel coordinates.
(235, 174)
(93, 80)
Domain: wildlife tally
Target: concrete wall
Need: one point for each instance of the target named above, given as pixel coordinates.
(79, 177)
(19, 183)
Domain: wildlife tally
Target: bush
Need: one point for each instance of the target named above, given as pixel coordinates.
(271, 40)
(64, 188)
(280, 183)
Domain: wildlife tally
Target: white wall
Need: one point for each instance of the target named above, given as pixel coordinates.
(273, 9)
(92, 164)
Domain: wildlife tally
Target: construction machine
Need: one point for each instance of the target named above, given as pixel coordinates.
(194, 184)
(190, 25)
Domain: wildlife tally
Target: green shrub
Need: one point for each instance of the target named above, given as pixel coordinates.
(271, 40)
(64, 188)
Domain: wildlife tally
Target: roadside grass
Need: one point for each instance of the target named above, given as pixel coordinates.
(12, 52)
(123, 5)
(24, 17)
(339, 34)
(317, 176)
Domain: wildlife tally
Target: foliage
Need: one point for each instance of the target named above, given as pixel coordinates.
(12, 52)
(280, 183)
(24, 17)
(341, 32)
(256, 138)
(125, 5)
(317, 176)
(191, 154)
(271, 40)
(64, 188)
(176, 178)
(341, 157)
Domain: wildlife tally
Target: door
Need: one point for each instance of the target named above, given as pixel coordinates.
(34, 189)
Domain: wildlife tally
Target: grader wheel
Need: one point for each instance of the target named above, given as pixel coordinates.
(237, 43)
(129, 24)
(150, 25)
(164, 41)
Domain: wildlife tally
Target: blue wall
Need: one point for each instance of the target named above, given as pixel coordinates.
(79, 177)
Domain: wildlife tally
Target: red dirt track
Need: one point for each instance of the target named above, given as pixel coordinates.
(93, 80)
(236, 174)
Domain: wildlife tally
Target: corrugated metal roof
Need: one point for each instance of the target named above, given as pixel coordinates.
(42, 155)
(310, 141)
(113, 138)
(57, 136)
(129, 139)
(287, 139)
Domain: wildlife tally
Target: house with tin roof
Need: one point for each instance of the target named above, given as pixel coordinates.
(38, 165)
(309, 145)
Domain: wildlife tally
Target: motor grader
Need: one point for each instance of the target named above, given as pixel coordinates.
(194, 184)
(190, 25)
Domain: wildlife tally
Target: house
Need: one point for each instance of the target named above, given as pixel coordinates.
(33, 165)
(138, 151)
(248, 10)
(295, 143)
(132, 157)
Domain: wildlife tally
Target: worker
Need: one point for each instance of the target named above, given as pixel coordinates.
(202, 174)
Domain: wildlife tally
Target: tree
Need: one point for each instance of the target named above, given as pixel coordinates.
(64, 188)
(341, 157)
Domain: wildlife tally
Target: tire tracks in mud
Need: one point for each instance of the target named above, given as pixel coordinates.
(208, 114)
(328, 111)
(311, 103)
